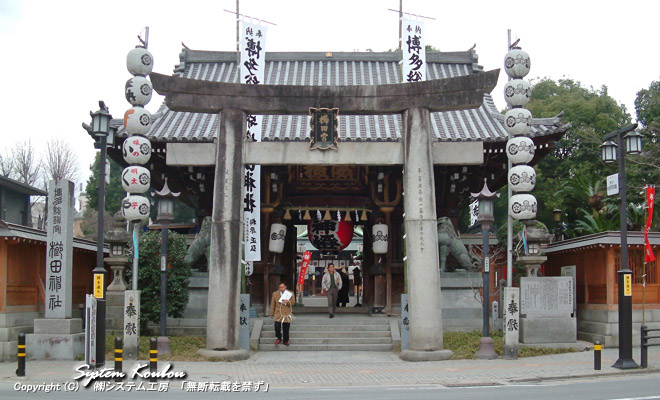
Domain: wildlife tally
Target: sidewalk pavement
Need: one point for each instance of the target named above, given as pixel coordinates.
(313, 369)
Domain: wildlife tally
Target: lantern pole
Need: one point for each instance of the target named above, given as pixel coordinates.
(624, 279)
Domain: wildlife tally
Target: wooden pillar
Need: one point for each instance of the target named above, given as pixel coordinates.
(388, 265)
(610, 275)
(4, 257)
(222, 320)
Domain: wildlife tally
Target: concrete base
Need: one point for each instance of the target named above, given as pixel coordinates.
(55, 339)
(486, 350)
(415, 355)
(548, 330)
(163, 345)
(54, 346)
(114, 310)
(461, 305)
(577, 346)
(603, 325)
(225, 355)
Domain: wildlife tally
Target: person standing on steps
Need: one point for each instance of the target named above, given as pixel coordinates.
(331, 283)
(282, 313)
(342, 297)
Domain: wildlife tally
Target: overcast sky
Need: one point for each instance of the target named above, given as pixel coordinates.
(60, 57)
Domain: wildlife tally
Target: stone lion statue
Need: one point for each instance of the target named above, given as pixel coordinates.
(450, 243)
(201, 244)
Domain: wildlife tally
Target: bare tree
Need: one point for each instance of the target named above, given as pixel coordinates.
(26, 163)
(6, 163)
(60, 161)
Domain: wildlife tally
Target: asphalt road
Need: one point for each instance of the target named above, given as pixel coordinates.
(636, 387)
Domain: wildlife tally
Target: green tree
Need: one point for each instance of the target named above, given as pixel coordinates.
(114, 193)
(178, 276)
(592, 114)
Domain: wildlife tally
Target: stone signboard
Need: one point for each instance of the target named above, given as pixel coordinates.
(405, 323)
(572, 272)
(511, 322)
(244, 323)
(59, 249)
(546, 297)
(131, 324)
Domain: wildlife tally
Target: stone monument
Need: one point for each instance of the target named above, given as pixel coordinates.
(58, 336)
(546, 308)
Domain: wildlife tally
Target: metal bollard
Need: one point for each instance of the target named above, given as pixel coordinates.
(153, 358)
(597, 348)
(20, 371)
(119, 357)
(644, 347)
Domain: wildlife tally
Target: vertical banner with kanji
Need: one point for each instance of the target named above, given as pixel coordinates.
(413, 65)
(307, 256)
(59, 249)
(252, 66)
(650, 200)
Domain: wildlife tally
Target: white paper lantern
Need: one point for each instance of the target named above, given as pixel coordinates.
(520, 149)
(137, 150)
(135, 179)
(522, 206)
(277, 235)
(249, 268)
(138, 91)
(137, 121)
(517, 63)
(380, 234)
(522, 178)
(517, 121)
(139, 61)
(135, 208)
(517, 92)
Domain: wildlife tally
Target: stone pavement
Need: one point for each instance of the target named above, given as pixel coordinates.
(313, 369)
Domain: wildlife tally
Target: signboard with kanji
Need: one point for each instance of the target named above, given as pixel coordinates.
(59, 249)
(303, 269)
(627, 284)
(324, 123)
(244, 323)
(413, 45)
(131, 324)
(511, 321)
(405, 323)
(98, 286)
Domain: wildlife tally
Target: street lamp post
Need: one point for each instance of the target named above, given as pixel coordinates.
(100, 130)
(165, 198)
(486, 218)
(631, 144)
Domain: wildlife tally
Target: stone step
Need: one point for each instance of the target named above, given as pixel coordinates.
(326, 347)
(324, 310)
(348, 340)
(330, 334)
(8, 334)
(330, 328)
(341, 320)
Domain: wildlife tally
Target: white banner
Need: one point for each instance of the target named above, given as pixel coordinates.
(59, 249)
(413, 45)
(253, 64)
(474, 212)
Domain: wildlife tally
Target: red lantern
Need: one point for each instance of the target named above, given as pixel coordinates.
(330, 235)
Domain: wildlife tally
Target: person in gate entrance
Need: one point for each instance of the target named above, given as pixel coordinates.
(331, 283)
(342, 297)
(282, 313)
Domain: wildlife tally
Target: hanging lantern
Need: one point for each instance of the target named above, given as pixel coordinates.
(517, 63)
(379, 237)
(520, 150)
(249, 268)
(522, 206)
(135, 179)
(517, 121)
(522, 178)
(135, 208)
(608, 151)
(277, 235)
(139, 61)
(517, 92)
(137, 121)
(633, 142)
(136, 150)
(138, 91)
(330, 235)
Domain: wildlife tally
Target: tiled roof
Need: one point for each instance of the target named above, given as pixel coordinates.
(480, 124)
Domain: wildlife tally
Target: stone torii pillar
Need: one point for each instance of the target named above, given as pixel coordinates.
(223, 314)
(424, 297)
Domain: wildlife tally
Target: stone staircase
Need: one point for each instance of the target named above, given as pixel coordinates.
(343, 333)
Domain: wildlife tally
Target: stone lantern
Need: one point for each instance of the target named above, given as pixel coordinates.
(536, 239)
(117, 238)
